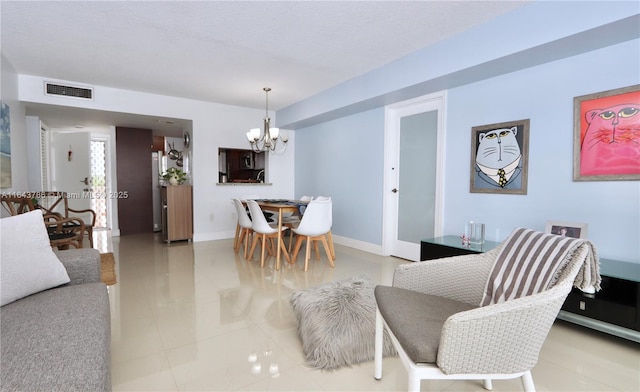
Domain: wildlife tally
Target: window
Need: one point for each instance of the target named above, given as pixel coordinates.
(238, 165)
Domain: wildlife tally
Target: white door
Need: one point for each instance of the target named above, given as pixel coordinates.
(414, 145)
(72, 167)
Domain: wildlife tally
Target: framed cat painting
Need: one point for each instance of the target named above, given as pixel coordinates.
(500, 158)
(606, 140)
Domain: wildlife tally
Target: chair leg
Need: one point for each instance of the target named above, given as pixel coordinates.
(90, 235)
(270, 246)
(290, 239)
(235, 239)
(307, 255)
(264, 245)
(487, 384)
(378, 346)
(238, 241)
(327, 250)
(330, 240)
(253, 247)
(414, 382)
(296, 248)
(285, 252)
(527, 382)
(247, 236)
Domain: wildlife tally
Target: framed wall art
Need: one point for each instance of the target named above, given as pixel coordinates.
(567, 229)
(5, 146)
(499, 158)
(606, 139)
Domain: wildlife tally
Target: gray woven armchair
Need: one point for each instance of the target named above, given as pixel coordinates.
(440, 331)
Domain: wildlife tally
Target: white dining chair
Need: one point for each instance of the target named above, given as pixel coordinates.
(244, 229)
(314, 225)
(292, 220)
(263, 231)
(329, 235)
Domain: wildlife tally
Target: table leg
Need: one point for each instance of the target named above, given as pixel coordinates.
(279, 239)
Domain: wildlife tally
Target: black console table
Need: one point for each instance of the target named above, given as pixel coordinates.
(613, 310)
(450, 245)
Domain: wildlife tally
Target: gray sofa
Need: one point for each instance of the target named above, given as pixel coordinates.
(59, 339)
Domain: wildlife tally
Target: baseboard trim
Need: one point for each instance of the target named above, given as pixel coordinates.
(350, 242)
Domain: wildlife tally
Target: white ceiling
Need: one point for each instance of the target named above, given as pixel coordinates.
(221, 51)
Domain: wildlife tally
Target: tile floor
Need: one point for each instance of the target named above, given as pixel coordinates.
(196, 317)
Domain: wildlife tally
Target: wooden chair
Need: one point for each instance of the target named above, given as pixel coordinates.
(64, 232)
(18, 204)
(70, 213)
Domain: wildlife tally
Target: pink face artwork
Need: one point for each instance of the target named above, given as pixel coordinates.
(611, 144)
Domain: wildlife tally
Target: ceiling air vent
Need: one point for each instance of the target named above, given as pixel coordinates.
(68, 91)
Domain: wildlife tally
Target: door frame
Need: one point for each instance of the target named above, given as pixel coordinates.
(107, 135)
(106, 138)
(393, 114)
(57, 174)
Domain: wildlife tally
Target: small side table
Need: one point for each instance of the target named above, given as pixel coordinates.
(450, 245)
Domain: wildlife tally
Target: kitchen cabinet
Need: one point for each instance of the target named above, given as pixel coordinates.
(177, 213)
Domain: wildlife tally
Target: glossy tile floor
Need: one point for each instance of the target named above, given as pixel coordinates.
(196, 317)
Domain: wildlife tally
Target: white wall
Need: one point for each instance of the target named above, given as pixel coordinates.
(214, 126)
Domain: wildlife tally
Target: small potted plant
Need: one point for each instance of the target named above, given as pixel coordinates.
(174, 176)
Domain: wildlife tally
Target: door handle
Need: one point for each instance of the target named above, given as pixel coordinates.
(85, 181)
(394, 190)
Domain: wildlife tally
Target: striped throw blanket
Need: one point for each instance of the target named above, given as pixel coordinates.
(530, 261)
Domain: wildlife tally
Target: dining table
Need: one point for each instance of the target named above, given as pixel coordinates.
(280, 206)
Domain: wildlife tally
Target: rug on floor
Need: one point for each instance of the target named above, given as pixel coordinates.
(108, 269)
(336, 323)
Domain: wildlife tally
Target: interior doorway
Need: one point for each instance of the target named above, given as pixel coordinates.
(134, 173)
(99, 181)
(80, 166)
(413, 183)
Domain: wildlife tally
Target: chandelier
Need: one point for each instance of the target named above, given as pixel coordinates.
(268, 141)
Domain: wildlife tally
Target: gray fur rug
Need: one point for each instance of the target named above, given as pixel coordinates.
(336, 323)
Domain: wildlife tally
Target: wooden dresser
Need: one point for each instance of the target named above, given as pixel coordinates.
(177, 212)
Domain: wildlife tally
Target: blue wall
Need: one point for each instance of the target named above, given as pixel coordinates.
(343, 157)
